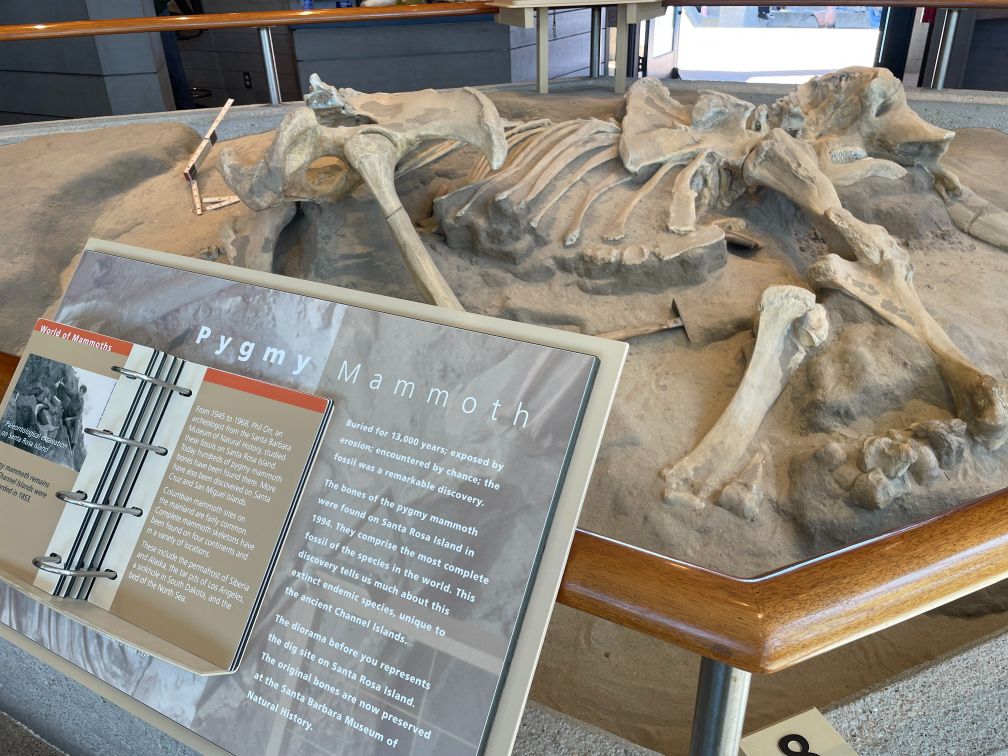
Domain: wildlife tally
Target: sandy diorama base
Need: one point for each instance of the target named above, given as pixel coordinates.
(125, 184)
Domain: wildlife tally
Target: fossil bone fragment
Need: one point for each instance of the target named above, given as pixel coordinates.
(860, 125)
(589, 165)
(789, 324)
(976, 216)
(515, 136)
(882, 278)
(886, 467)
(367, 134)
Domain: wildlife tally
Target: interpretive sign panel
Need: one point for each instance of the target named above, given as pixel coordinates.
(411, 597)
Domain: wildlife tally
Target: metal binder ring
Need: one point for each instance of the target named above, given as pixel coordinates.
(159, 450)
(46, 565)
(156, 381)
(79, 499)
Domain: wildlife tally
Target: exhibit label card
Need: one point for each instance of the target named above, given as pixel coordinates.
(181, 480)
(808, 733)
(396, 602)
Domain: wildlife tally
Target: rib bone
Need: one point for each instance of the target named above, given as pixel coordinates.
(789, 324)
(545, 160)
(574, 230)
(514, 137)
(562, 161)
(536, 149)
(586, 167)
(619, 227)
(426, 156)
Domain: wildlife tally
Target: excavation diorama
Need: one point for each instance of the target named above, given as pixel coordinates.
(813, 292)
(853, 404)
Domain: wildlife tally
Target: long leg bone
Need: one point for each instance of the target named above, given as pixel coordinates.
(791, 167)
(883, 279)
(374, 158)
(789, 324)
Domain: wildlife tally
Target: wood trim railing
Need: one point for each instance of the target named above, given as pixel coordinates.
(773, 621)
(63, 29)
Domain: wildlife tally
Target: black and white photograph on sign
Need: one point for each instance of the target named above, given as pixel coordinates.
(398, 596)
(51, 405)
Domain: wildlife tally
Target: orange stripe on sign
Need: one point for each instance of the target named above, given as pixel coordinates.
(267, 390)
(78, 335)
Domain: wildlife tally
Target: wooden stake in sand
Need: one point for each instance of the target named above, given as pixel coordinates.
(191, 171)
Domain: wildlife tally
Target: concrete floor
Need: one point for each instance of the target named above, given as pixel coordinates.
(67, 717)
(955, 705)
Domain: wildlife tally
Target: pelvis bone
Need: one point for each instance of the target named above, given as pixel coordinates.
(789, 324)
(344, 138)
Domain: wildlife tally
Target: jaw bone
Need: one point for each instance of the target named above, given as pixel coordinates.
(360, 138)
(789, 324)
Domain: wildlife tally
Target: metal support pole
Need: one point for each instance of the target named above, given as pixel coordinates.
(622, 45)
(719, 713)
(945, 47)
(542, 50)
(676, 21)
(269, 61)
(596, 41)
